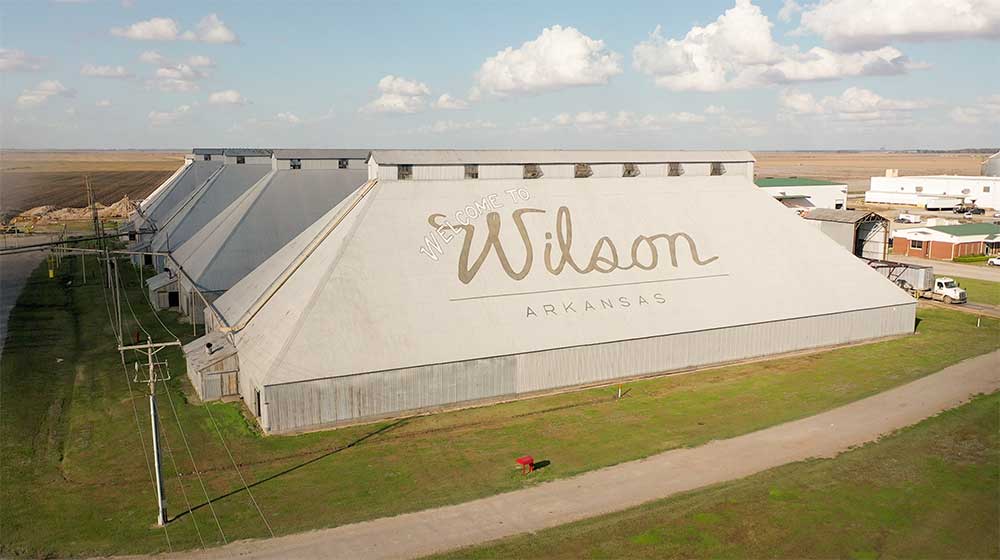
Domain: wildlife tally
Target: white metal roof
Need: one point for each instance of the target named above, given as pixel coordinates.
(354, 292)
(498, 157)
(309, 153)
(260, 222)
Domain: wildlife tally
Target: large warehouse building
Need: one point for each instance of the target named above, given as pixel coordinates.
(935, 192)
(435, 286)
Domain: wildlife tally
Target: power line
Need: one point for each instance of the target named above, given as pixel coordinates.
(237, 468)
(187, 502)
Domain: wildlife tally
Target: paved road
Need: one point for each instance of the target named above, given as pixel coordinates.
(633, 483)
(14, 272)
(945, 268)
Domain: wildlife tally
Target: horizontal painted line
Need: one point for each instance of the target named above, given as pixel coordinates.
(490, 296)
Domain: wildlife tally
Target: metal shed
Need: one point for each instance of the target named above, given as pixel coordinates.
(864, 234)
(394, 303)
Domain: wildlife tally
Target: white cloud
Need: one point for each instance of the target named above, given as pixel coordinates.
(199, 61)
(854, 104)
(289, 118)
(160, 118)
(153, 57)
(446, 101)
(633, 121)
(12, 60)
(210, 29)
(623, 120)
(153, 29)
(559, 58)
(737, 51)
(715, 110)
(94, 71)
(227, 97)
(869, 23)
(451, 126)
(178, 78)
(103, 103)
(398, 95)
(788, 10)
(39, 94)
(987, 110)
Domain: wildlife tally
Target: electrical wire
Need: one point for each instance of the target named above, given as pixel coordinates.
(187, 502)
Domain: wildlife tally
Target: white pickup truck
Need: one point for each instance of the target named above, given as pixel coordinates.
(908, 219)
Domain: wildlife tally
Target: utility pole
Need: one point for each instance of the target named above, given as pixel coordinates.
(154, 418)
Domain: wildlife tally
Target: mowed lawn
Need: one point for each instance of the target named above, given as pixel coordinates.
(980, 291)
(929, 491)
(74, 480)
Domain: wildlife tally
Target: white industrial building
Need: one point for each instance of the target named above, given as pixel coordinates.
(934, 192)
(800, 193)
(433, 286)
(262, 220)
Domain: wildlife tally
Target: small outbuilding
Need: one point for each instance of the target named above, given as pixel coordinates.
(864, 234)
(801, 193)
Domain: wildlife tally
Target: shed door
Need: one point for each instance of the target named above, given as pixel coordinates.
(256, 402)
(173, 299)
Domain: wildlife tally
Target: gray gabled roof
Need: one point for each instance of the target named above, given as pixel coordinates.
(840, 216)
(513, 157)
(251, 152)
(310, 153)
(208, 151)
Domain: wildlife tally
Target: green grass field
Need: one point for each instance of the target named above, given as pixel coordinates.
(74, 481)
(981, 291)
(929, 491)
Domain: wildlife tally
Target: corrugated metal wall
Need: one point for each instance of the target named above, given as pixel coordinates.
(315, 403)
(501, 171)
(438, 172)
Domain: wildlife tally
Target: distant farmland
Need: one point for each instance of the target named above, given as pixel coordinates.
(31, 179)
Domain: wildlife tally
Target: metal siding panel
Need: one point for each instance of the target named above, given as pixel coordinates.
(438, 172)
(607, 170)
(501, 171)
(564, 171)
(652, 170)
(311, 404)
(387, 172)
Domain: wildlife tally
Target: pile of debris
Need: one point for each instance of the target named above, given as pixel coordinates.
(51, 214)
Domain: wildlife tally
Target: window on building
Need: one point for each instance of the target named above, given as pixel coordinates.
(675, 170)
(295, 163)
(241, 159)
(532, 171)
(207, 157)
(919, 189)
(986, 189)
(916, 244)
(472, 171)
(838, 206)
(718, 168)
(630, 170)
(342, 164)
(405, 172)
(582, 171)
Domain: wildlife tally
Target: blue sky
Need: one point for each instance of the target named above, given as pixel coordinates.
(776, 74)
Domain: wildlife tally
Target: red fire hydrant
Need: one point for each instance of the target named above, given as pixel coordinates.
(527, 464)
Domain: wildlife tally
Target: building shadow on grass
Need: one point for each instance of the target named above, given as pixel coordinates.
(355, 443)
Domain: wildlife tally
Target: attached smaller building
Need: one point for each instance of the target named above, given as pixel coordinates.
(863, 234)
(801, 193)
(947, 242)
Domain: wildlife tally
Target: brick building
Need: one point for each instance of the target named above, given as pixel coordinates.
(947, 242)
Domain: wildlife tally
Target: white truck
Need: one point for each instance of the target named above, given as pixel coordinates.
(920, 282)
(908, 219)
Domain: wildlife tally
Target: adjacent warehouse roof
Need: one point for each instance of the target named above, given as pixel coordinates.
(320, 154)
(357, 276)
(991, 167)
(250, 152)
(500, 157)
(202, 205)
(261, 222)
(792, 182)
(208, 151)
(157, 210)
(966, 230)
(841, 216)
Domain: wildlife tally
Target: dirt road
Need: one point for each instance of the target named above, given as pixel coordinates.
(633, 483)
(945, 268)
